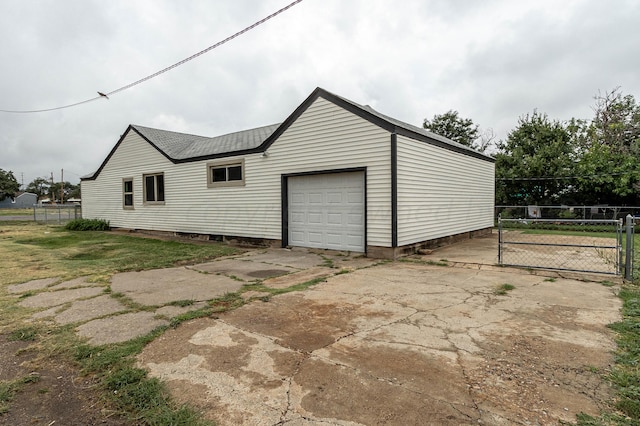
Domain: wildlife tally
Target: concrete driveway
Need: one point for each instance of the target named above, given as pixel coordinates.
(407, 342)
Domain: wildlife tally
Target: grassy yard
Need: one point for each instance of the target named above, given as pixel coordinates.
(32, 251)
(16, 212)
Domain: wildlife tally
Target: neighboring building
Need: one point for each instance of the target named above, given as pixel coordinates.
(333, 175)
(21, 201)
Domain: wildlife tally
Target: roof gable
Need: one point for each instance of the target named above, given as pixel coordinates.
(387, 123)
(181, 147)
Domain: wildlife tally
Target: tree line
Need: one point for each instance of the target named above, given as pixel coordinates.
(42, 187)
(546, 161)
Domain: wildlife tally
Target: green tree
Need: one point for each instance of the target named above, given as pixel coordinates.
(69, 191)
(532, 164)
(39, 186)
(454, 127)
(609, 167)
(9, 186)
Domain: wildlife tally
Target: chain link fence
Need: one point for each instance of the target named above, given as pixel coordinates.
(580, 245)
(56, 214)
(599, 212)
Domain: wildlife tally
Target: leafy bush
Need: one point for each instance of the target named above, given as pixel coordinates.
(87, 225)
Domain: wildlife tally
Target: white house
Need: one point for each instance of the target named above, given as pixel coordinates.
(334, 174)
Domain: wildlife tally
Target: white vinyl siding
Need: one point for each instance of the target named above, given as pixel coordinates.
(324, 137)
(441, 192)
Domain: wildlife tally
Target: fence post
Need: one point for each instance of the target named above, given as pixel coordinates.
(628, 256)
(499, 238)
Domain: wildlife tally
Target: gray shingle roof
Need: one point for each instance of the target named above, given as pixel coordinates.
(415, 129)
(182, 146)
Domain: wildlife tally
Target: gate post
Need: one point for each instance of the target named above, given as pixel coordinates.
(500, 239)
(628, 255)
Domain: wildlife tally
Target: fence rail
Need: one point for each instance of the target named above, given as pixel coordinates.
(60, 213)
(593, 212)
(583, 245)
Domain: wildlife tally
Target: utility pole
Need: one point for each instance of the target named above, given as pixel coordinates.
(62, 186)
(53, 194)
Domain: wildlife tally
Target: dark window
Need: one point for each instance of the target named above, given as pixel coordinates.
(154, 188)
(234, 173)
(230, 174)
(219, 174)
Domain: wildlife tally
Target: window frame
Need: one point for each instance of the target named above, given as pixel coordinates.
(226, 165)
(155, 189)
(126, 206)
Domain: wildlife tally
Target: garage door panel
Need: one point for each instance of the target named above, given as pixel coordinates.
(334, 197)
(315, 218)
(355, 219)
(315, 237)
(296, 237)
(334, 218)
(327, 211)
(316, 198)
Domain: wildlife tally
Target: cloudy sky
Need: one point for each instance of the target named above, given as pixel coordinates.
(493, 61)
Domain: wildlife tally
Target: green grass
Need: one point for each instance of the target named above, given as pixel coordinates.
(503, 289)
(32, 251)
(625, 376)
(16, 212)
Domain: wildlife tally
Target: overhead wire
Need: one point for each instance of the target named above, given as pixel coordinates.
(162, 71)
(563, 177)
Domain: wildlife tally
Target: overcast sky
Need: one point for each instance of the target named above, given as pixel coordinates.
(491, 60)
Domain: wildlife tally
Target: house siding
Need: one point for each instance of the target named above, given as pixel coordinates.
(441, 192)
(324, 137)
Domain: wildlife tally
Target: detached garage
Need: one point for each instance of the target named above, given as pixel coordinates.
(334, 175)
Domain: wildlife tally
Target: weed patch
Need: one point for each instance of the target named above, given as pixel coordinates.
(26, 334)
(503, 289)
(87, 225)
(625, 375)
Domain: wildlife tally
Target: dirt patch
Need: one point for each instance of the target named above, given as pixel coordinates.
(540, 381)
(58, 394)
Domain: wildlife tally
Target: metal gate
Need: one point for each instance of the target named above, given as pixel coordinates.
(565, 245)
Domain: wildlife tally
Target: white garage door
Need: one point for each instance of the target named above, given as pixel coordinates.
(327, 211)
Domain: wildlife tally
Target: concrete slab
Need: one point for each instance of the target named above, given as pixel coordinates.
(173, 311)
(160, 287)
(292, 258)
(246, 269)
(299, 277)
(481, 250)
(31, 285)
(84, 310)
(119, 328)
(55, 298)
(78, 282)
(401, 343)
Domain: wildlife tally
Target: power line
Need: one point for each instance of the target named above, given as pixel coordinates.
(563, 177)
(162, 71)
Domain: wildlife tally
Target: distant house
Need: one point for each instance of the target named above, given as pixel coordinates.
(334, 175)
(21, 201)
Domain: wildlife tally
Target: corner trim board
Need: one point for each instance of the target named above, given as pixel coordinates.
(394, 190)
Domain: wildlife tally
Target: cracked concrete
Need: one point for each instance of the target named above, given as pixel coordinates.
(393, 343)
(399, 343)
(109, 313)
